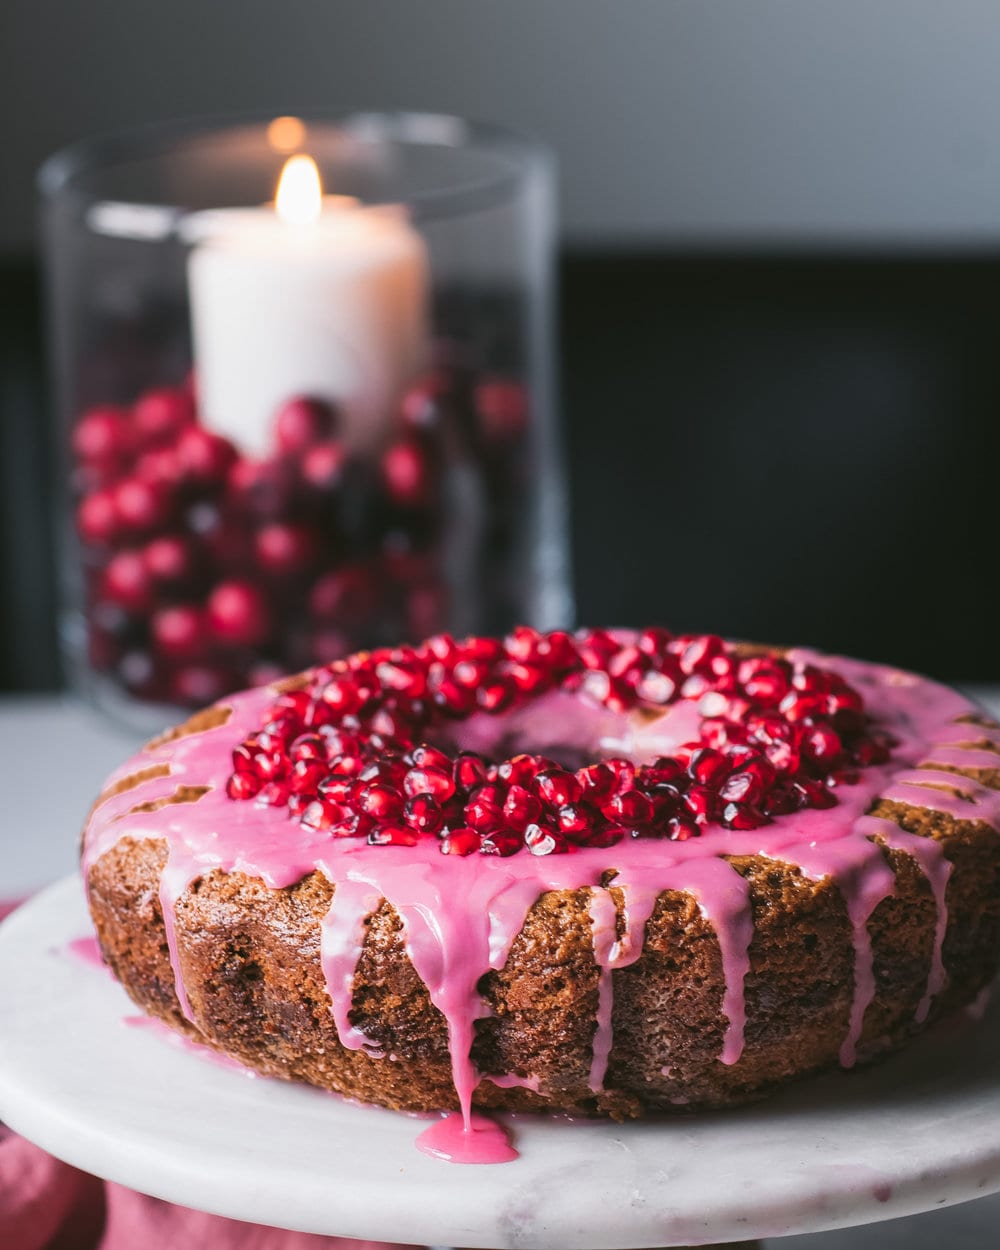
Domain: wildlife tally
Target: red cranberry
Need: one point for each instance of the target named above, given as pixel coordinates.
(141, 505)
(127, 582)
(406, 474)
(97, 519)
(179, 632)
(502, 405)
(159, 416)
(285, 549)
(102, 435)
(349, 595)
(323, 465)
(238, 614)
(301, 422)
(170, 560)
(204, 458)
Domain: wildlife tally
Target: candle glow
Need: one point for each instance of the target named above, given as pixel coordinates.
(298, 200)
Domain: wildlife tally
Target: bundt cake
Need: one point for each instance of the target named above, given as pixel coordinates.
(611, 872)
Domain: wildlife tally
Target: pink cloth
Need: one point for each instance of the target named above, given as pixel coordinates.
(47, 1205)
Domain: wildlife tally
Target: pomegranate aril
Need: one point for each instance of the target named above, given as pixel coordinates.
(521, 809)
(102, 435)
(496, 696)
(460, 842)
(520, 770)
(126, 581)
(576, 819)
(528, 679)
(702, 803)
(557, 787)
(501, 842)
(273, 794)
(821, 745)
(423, 813)
(179, 632)
(141, 505)
(435, 781)
(322, 814)
(484, 810)
(742, 816)
(97, 519)
(597, 782)
(238, 614)
(632, 808)
(242, 785)
(663, 771)
(655, 687)
(159, 415)
(469, 771)
(813, 793)
(307, 774)
(681, 828)
(204, 458)
(285, 550)
(393, 835)
(698, 654)
(742, 786)
(708, 767)
(541, 840)
(380, 802)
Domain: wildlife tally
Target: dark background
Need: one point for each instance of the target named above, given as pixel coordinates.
(780, 271)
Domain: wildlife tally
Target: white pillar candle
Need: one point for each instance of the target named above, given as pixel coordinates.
(309, 297)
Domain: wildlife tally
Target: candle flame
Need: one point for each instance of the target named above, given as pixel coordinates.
(299, 198)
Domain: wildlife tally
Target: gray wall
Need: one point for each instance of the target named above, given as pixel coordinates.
(674, 120)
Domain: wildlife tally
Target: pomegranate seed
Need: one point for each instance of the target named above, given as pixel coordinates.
(380, 803)
(501, 842)
(630, 808)
(341, 695)
(654, 687)
(709, 767)
(702, 803)
(302, 421)
(698, 654)
(528, 679)
(435, 781)
(741, 816)
(542, 841)
(426, 756)
(624, 773)
(469, 771)
(453, 699)
(496, 696)
(274, 794)
(663, 771)
(307, 774)
(520, 770)
(681, 828)
(460, 842)
(654, 641)
(242, 785)
(484, 810)
(814, 793)
(577, 818)
(521, 809)
(781, 801)
(597, 782)
(322, 814)
(423, 813)
(595, 648)
(393, 835)
(557, 787)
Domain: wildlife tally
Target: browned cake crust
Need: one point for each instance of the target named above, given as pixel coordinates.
(250, 959)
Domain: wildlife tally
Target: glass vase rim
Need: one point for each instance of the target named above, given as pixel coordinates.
(417, 128)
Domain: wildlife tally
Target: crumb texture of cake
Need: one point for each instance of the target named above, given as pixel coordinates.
(608, 873)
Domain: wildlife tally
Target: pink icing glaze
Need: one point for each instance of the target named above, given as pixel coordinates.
(87, 951)
(478, 1140)
(461, 915)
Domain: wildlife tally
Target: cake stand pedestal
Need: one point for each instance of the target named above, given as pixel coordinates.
(919, 1131)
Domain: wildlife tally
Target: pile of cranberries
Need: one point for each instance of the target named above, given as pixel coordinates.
(348, 754)
(207, 570)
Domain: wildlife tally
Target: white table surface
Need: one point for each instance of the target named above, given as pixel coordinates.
(54, 754)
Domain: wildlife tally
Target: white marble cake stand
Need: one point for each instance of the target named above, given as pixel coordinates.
(919, 1131)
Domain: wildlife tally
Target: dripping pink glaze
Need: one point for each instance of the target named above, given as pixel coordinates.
(87, 951)
(458, 1139)
(461, 915)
